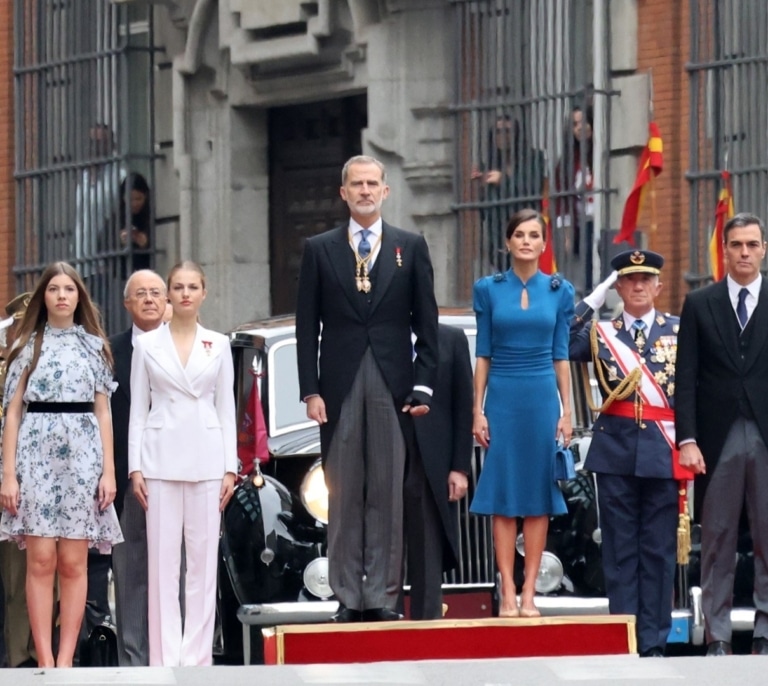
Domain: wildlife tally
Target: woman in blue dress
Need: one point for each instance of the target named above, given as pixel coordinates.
(523, 319)
(58, 479)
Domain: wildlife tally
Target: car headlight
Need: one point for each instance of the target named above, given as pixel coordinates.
(550, 574)
(520, 545)
(316, 578)
(314, 493)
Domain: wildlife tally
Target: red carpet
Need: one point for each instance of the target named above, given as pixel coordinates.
(450, 639)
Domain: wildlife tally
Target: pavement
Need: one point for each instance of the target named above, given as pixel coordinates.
(624, 670)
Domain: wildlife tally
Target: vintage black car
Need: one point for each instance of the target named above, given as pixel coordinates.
(273, 567)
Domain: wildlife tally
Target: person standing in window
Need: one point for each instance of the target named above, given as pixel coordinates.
(516, 178)
(523, 319)
(182, 459)
(573, 183)
(58, 470)
(135, 223)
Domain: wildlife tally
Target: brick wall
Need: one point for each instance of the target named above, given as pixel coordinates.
(663, 49)
(7, 216)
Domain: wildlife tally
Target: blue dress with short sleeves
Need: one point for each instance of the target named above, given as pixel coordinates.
(59, 456)
(522, 402)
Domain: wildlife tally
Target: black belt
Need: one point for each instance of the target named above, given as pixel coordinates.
(78, 408)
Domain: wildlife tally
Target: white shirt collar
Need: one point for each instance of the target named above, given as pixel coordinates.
(753, 288)
(375, 228)
(136, 331)
(647, 319)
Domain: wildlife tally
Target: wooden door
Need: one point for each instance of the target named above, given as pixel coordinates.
(308, 147)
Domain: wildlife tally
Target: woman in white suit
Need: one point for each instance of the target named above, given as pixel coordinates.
(182, 458)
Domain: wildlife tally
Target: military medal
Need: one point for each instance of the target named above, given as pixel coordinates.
(398, 257)
(208, 345)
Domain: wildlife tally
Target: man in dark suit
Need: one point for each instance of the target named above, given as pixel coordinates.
(722, 424)
(633, 439)
(144, 298)
(368, 285)
(436, 476)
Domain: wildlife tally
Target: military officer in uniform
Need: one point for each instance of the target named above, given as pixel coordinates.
(20, 649)
(632, 451)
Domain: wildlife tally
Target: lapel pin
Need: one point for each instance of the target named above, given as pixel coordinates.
(208, 345)
(398, 256)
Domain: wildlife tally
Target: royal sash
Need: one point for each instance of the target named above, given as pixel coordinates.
(655, 402)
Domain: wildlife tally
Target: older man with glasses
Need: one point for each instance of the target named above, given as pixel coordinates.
(145, 299)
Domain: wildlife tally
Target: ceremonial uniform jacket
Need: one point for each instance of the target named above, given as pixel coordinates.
(621, 445)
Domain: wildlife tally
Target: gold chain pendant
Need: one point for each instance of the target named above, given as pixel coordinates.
(362, 282)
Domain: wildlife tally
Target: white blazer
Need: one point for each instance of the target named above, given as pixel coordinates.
(182, 423)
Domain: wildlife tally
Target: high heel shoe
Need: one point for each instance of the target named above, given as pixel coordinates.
(514, 611)
(529, 613)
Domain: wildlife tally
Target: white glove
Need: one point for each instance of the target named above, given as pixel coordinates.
(596, 298)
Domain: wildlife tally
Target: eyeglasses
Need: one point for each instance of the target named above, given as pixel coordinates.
(143, 293)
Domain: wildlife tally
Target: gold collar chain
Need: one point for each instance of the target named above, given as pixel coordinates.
(362, 279)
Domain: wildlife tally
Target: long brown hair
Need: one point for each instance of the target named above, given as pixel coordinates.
(35, 318)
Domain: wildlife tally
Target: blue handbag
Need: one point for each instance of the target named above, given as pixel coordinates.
(565, 469)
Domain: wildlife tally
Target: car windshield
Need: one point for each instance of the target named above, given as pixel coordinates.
(288, 412)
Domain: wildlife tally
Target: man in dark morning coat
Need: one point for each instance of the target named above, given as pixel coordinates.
(144, 298)
(369, 286)
(633, 440)
(722, 424)
(436, 476)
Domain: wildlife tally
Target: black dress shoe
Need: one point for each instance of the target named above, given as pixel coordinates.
(760, 645)
(653, 652)
(719, 648)
(345, 614)
(381, 614)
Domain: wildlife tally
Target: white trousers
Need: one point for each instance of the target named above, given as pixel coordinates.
(190, 511)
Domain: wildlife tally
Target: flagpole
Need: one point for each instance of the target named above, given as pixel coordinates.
(654, 216)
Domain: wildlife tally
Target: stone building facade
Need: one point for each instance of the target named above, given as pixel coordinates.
(252, 106)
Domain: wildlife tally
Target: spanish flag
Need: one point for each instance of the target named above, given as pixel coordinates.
(651, 163)
(723, 212)
(252, 435)
(547, 263)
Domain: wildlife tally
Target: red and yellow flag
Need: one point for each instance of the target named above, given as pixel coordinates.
(547, 263)
(651, 163)
(723, 212)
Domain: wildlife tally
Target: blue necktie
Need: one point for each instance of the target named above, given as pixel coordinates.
(741, 307)
(639, 325)
(364, 247)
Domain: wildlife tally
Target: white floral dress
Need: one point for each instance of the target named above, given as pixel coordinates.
(59, 456)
